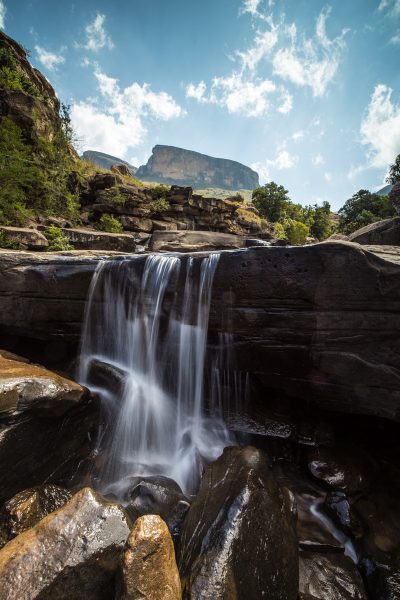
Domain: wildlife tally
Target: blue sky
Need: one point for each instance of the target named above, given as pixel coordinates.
(307, 93)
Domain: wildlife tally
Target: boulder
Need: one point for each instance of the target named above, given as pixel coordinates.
(24, 238)
(26, 387)
(158, 495)
(89, 239)
(329, 576)
(28, 507)
(137, 224)
(386, 233)
(72, 553)
(238, 539)
(121, 169)
(148, 568)
(194, 241)
(48, 425)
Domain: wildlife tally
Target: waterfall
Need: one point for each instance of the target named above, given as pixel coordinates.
(152, 340)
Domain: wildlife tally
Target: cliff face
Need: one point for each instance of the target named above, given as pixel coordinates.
(173, 165)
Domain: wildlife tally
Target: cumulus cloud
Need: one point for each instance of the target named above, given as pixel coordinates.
(283, 160)
(391, 7)
(117, 121)
(96, 35)
(380, 128)
(291, 56)
(49, 60)
(317, 160)
(298, 135)
(3, 11)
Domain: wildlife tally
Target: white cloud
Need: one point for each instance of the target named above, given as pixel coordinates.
(262, 170)
(310, 62)
(287, 103)
(328, 177)
(236, 93)
(380, 128)
(3, 11)
(317, 160)
(354, 171)
(49, 60)
(117, 121)
(250, 6)
(392, 7)
(196, 91)
(96, 35)
(264, 42)
(298, 135)
(283, 160)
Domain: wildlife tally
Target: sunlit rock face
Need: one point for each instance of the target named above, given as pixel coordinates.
(168, 164)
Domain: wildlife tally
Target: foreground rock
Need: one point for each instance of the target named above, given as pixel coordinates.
(194, 241)
(238, 539)
(329, 577)
(48, 426)
(148, 569)
(24, 386)
(72, 553)
(28, 507)
(158, 495)
(386, 232)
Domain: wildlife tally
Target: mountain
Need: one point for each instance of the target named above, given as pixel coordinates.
(385, 190)
(172, 165)
(106, 161)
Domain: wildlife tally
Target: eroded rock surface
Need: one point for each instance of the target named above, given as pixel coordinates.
(329, 577)
(72, 553)
(386, 232)
(238, 538)
(194, 241)
(148, 569)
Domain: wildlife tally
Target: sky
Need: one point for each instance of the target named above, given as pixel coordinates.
(305, 92)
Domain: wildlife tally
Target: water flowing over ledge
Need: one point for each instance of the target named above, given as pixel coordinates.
(156, 423)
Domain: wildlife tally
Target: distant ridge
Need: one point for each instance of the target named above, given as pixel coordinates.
(106, 161)
(385, 190)
(172, 165)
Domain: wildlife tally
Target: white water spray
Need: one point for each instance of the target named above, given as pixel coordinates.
(139, 325)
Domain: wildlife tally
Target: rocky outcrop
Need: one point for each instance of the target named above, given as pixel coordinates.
(48, 425)
(394, 196)
(106, 161)
(28, 507)
(239, 512)
(23, 238)
(71, 553)
(89, 239)
(193, 241)
(148, 567)
(172, 165)
(314, 322)
(386, 232)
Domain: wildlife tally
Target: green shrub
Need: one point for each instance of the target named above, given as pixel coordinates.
(6, 243)
(57, 239)
(13, 77)
(160, 205)
(296, 232)
(110, 224)
(279, 231)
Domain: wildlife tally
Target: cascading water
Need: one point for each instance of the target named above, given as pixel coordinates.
(156, 419)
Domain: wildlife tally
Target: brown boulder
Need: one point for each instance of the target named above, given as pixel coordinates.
(194, 241)
(329, 576)
(72, 553)
(89, 239)
(24, 238)
(148, 568)
(386, 233)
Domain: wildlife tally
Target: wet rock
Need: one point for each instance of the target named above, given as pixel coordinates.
(24, 238)
(24, 386)
(344, 468)
(72, 553)
(48, 426)
(386, 232)
(158, 495)
(194, 241)
(329, 576)
(28, 507)
(148, 569)
(238, 538)
(339, 509)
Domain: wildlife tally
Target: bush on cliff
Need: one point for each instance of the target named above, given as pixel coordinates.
(57, 239)
(362, 209)
(110, 224)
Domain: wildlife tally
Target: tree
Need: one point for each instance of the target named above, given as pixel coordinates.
(362, 209)
(271, 200)
(296, 232)
(321, 228)
(394, 171)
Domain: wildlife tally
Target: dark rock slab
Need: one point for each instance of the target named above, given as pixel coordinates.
(193, 241)
(238, 538)
(329, 576)
(72, 553)
(386, 232)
